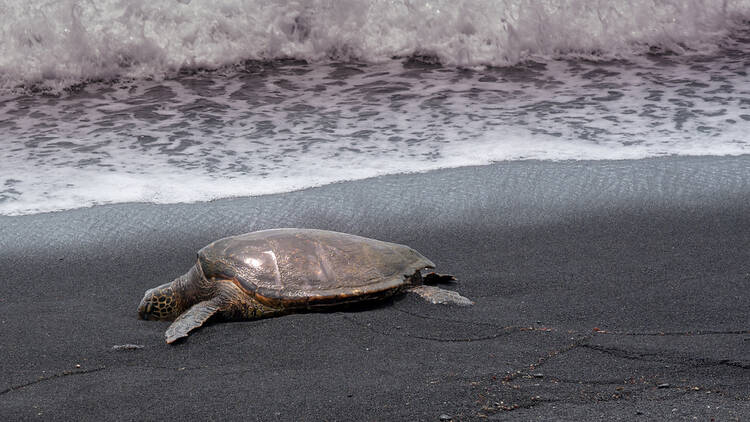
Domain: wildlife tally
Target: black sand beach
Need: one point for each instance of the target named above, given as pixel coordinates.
(604, 291)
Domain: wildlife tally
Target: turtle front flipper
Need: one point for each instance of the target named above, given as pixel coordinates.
(193, 318)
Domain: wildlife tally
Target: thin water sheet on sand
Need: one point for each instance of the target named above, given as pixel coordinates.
(612, 289)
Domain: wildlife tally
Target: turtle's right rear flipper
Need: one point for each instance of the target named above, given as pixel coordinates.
(437, 295)
(435, 278)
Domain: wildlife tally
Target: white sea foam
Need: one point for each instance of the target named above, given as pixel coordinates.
(292, 126)
(54, 44)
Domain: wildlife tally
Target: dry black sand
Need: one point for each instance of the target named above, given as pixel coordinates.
(604, 291)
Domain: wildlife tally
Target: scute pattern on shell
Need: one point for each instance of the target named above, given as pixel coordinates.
(306, 265)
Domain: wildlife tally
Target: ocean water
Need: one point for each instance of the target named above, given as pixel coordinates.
(180, 101)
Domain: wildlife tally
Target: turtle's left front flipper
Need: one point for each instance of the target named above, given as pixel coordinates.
(193, 318)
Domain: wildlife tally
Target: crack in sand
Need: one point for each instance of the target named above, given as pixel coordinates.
(534, 400)
(505, 331)
(678, 333)
(696, 362)
(620, 394)
(544, 359)
(51, 377)
(458, 321)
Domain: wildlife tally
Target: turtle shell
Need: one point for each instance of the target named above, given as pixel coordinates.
(309, 268)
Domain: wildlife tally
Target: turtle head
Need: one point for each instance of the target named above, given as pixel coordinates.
(161, 302)
(170, 300)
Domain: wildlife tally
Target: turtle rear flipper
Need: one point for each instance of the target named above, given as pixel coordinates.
(436, 295)
(193, 318)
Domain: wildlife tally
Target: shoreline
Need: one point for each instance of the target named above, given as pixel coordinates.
(515, 170)
(601, 288)
(505, 163)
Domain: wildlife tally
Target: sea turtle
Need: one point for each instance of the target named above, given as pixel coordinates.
(280, 271)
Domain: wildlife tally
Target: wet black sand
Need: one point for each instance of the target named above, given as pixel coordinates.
(604, 290)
